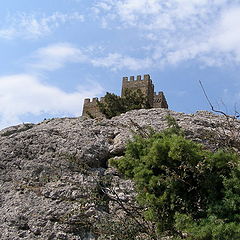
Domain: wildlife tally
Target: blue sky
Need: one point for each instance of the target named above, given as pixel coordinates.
(55, 53)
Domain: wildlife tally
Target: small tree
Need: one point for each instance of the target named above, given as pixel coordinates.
(114, 105)
(134, 99)
(187, 191)
(111, 106)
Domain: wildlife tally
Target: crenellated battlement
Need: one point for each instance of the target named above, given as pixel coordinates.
(159, 100)
(158, 94)
(144, 84)
(146, 77)
(90, 107)
(93, 100)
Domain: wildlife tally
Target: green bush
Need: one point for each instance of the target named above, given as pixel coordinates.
(114, 105)
(187, 191)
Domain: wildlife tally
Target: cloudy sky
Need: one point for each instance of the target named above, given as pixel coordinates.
(55, 53)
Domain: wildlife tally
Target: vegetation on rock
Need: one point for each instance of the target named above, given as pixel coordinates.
(187, 191)
(114, 105)
(55, 183)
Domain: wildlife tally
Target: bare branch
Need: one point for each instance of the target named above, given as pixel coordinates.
(209, 102)
(232, 139)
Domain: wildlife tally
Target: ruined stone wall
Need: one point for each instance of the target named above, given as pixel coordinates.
(91, 109)
(159, 101)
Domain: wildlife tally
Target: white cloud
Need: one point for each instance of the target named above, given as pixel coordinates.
(217, 45)
(25, 94)
(7, 33)
(55, 56)
(155, 14)
(31, 26)
(116, 61)
(226, 37)
(179, 30)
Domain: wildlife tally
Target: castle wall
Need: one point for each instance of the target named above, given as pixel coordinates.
(159, 101)
(91, 109)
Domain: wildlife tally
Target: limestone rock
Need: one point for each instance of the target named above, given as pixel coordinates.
(52, 174)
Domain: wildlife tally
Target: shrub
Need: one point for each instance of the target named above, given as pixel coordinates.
(187, 191)
(114, 105)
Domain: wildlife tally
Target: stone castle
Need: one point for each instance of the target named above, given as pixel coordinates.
(90, 108)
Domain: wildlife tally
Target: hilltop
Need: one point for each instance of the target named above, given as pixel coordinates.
(50, 173)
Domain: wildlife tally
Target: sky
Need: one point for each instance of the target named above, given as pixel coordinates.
(55, 53)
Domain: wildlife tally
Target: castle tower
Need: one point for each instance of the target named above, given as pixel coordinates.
(91, 109)
(159, 101)
(145, 85)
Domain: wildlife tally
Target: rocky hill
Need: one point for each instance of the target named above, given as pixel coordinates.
(55, 182)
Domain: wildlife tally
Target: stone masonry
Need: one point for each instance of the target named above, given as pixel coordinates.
(90, 108)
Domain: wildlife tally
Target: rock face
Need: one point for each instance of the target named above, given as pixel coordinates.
(54, 179)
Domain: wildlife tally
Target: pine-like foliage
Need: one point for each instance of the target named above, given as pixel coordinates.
(114, 105)
(190, 193)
